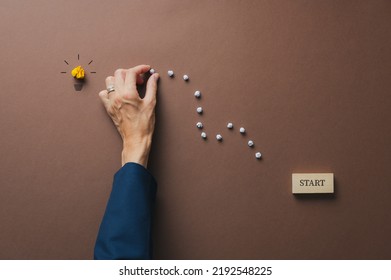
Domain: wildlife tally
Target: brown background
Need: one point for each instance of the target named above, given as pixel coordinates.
(310, 81)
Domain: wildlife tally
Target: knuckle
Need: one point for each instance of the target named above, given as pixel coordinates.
(151, 104)
(108, 79)
(128, 95)
(118, 71)
(118, 101)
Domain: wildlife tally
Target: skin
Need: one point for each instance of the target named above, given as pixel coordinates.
(134, 117)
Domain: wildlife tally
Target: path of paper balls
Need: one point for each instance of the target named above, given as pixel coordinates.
(199, 110)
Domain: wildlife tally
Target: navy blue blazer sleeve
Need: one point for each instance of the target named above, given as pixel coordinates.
(125, 231)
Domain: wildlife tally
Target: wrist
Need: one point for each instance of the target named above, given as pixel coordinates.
(136, 151)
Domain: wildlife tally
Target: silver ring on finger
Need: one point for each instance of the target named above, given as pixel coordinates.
(110, 89)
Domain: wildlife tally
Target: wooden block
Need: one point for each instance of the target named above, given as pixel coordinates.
(312, 183)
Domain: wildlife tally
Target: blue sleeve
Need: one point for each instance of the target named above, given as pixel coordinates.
(125, 231)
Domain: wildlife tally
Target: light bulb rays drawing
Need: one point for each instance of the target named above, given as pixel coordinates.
(79, 73)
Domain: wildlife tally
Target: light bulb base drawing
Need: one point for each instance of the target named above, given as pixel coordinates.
(78, 85)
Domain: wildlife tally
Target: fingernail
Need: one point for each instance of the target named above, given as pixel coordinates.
(156, 76)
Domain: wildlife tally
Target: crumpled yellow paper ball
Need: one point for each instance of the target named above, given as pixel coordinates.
(78, 72)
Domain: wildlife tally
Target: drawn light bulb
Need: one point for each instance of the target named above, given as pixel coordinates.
(79, 74)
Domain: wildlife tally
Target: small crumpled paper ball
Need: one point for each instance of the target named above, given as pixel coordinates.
(78, 72)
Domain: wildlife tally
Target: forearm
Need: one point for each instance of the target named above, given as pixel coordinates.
(125, 231)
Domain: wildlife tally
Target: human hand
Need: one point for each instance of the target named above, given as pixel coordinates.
(134, 117)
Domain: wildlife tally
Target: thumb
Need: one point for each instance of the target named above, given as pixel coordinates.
(150, 93)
